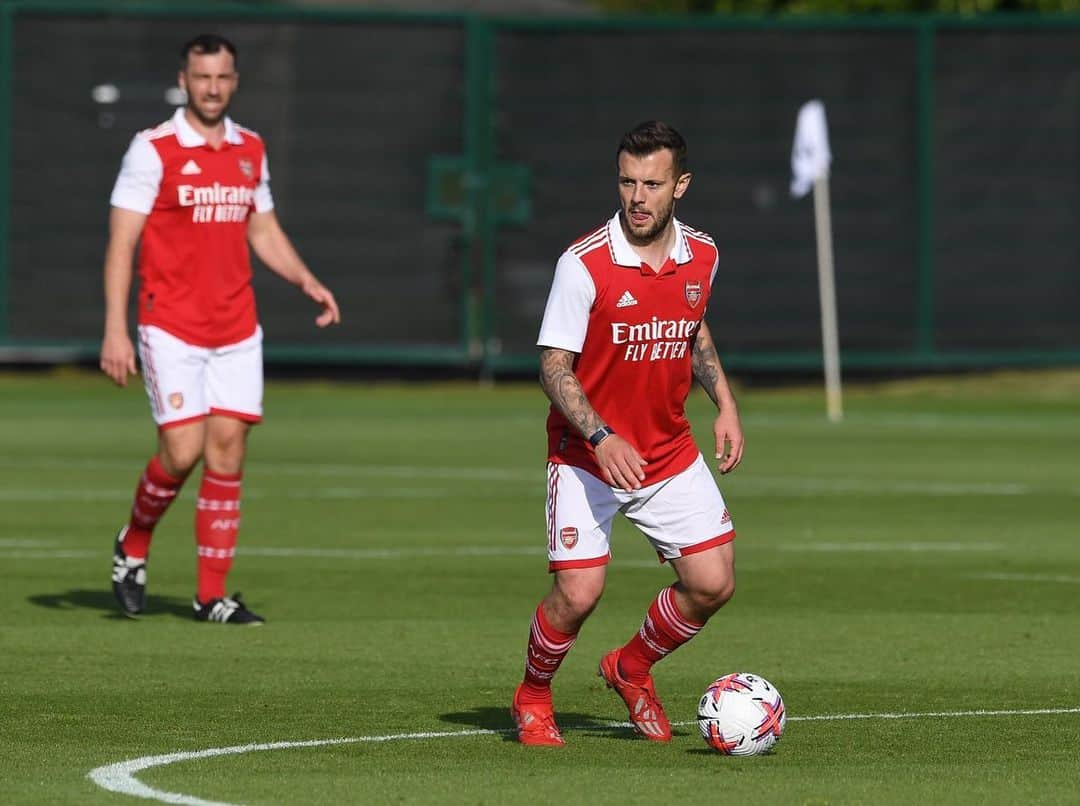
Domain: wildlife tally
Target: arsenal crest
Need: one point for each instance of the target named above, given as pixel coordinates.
(247, 169)
(693, 292)
(176, 400)
(568, 535)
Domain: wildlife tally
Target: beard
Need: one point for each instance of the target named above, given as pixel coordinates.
(205, 118)
(646, 235)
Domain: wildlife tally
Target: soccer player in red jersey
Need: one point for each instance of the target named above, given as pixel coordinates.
(622, 337)
(192, 194)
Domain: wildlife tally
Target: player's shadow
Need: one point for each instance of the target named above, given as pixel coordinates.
(497, 719)
(94, 599)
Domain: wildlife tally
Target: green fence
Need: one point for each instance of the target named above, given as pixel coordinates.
(432, 168)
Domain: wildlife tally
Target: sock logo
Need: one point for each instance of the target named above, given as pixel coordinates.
(533, 654)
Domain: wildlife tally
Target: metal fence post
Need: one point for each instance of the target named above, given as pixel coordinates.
(478, 224)
(7, 67)
(925, 191)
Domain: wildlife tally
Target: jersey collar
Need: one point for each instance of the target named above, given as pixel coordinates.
(622, 254)
(189, 138)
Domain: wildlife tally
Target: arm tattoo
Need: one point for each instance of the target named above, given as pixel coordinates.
(564, 390)
(705, 363)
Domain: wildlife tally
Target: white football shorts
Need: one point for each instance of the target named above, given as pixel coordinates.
(680, 515)
(186, 383)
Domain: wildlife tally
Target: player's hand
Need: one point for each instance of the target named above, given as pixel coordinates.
(729, 440)
(321, 294)
(118, 358)
(620, 463)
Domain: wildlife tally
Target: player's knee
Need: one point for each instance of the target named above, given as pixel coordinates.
(225, 456)
(723, 593)
(714, 594)
(179, 461)
(582, 601)
(226, 441)
(577, 599)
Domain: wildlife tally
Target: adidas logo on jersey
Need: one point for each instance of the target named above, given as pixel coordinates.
(626, 300)
(191, 168)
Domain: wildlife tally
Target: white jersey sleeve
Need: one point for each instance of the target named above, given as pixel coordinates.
(712, 276)
(566, 316)
(264, 201)
(139, 180)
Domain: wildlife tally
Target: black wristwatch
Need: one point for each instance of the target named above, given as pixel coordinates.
(599, 435)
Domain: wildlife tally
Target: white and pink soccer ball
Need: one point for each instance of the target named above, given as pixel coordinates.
(741, 714)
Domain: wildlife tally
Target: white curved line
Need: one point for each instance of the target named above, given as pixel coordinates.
(120, 777)
(932, 714)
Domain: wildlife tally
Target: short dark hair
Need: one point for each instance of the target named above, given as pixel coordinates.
(651, 136)
(206, 43)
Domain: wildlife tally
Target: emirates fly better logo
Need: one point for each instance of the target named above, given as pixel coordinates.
(216, 203)
(655, 340)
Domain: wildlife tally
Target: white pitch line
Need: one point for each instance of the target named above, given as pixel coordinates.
(489, 473)
(801, 486)
(929, 715)
(931, 422)
(517, 475)
(81, 495)
(1004, 577)
(120, 777)
(392, 554)
(793, 488)
(329, 493)
(316, 553)
(340, 554)
(28, 550)
(49, 554)
(928, 547)
(352, 493)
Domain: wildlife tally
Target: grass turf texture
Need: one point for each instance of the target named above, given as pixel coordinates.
(919, 557)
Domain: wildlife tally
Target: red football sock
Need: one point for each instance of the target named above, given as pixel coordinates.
(217, 522)
(547, 648)
(155, 491)
(664, 630)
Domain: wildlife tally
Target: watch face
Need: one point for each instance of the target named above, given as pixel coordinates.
(599, 435)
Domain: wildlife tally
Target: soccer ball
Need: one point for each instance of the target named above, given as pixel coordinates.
(741, 715)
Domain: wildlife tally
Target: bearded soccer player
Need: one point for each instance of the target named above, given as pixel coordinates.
(623, 335)
(193, 193)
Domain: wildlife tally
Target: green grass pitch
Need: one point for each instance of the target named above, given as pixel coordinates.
(919, 558)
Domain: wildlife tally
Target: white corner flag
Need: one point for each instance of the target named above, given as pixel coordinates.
(810, 155)
(810, 161)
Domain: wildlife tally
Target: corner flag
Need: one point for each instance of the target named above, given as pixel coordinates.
(810, 161)
(810, 155)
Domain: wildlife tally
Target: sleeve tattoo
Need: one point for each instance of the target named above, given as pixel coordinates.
(705, 363)
(564, 390)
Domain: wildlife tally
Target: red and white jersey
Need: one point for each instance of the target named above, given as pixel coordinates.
(633, 329)
(194, 267)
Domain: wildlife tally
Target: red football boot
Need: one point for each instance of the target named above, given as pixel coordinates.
(535, 723)
(646, 712)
